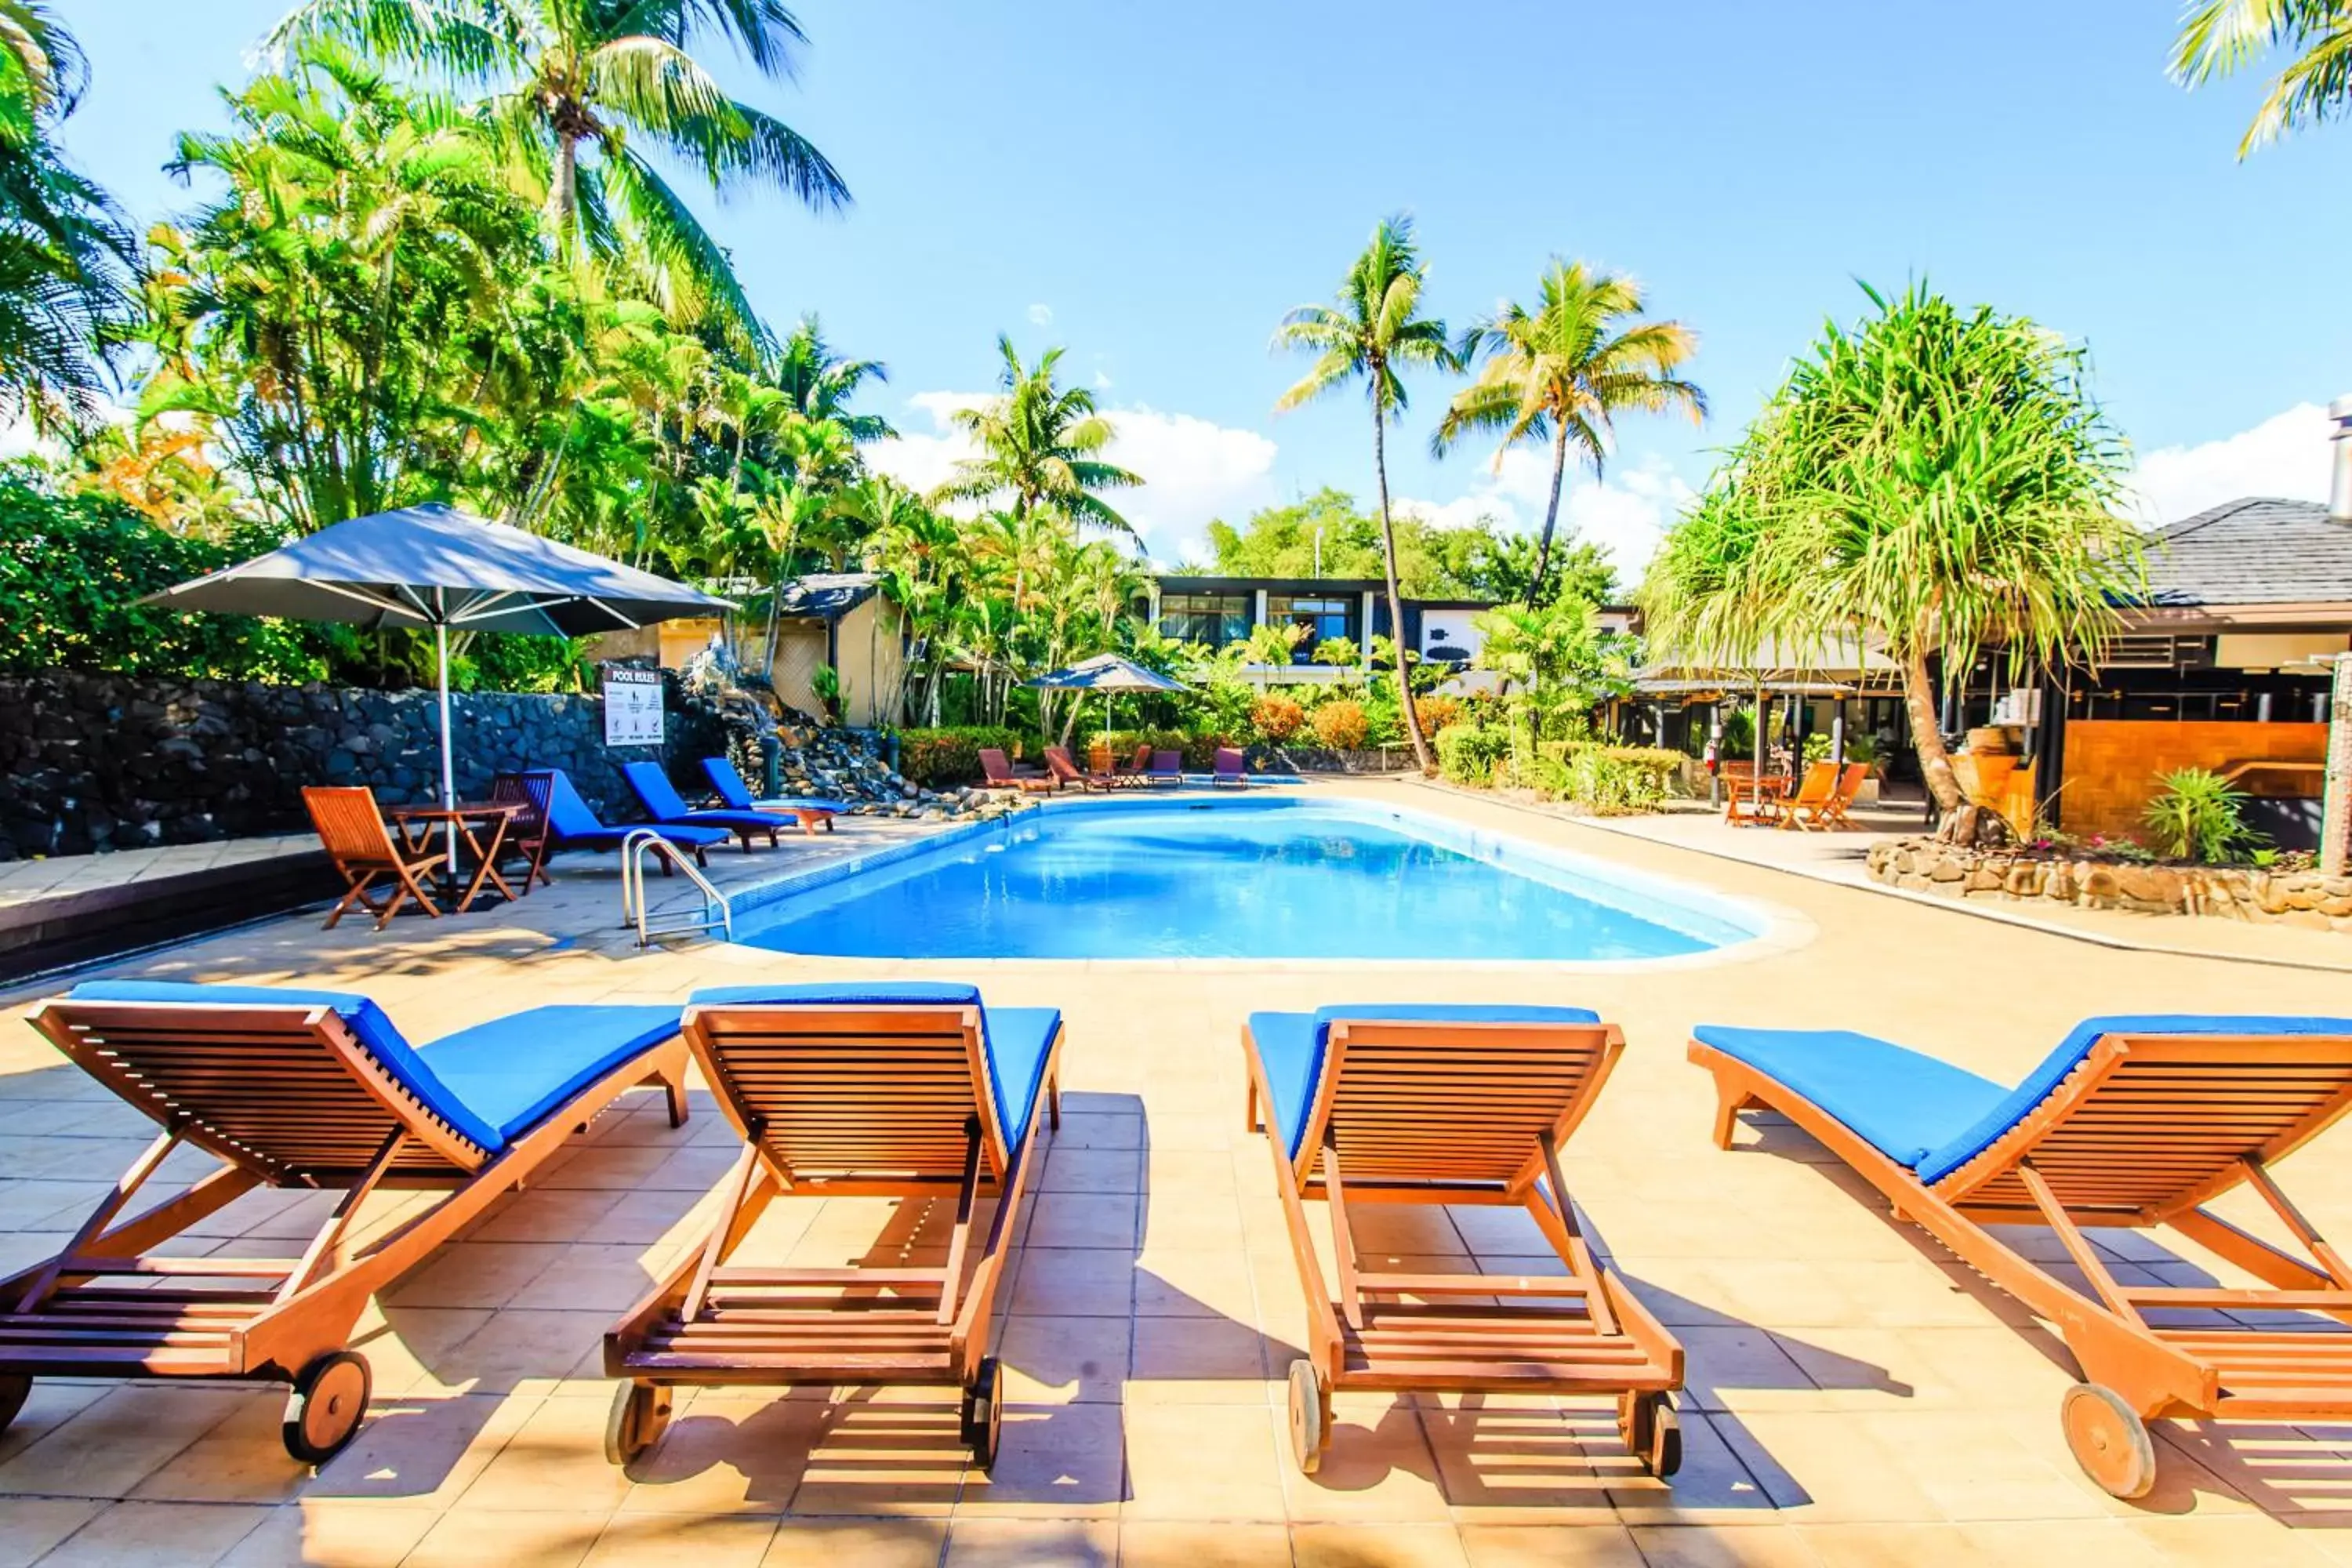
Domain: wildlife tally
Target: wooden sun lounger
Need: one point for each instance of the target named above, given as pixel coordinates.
(352, 832)
(1065, 770)
(1451, 1105)
(906, 1090)
(999, 774)
(298, 1089)
(2132, 1123)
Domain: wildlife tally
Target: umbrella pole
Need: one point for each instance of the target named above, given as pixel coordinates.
(448, 767)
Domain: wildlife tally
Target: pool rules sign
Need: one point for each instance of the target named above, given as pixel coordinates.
(632, 707)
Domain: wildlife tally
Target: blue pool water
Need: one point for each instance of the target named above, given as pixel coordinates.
(1243, 878)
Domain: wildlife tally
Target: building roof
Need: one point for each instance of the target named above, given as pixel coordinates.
(2261, 551)
(826, 596)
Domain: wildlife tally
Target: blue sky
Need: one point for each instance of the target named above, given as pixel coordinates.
(1152, 186)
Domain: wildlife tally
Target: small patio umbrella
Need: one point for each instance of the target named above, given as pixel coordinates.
(436, 566)
(1107, 673)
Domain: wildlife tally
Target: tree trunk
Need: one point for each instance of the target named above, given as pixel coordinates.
(1935, 763)
(1551, 514)
(1422, 759)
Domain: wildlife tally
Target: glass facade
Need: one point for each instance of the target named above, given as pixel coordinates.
(1214, 619)
(1323, 615)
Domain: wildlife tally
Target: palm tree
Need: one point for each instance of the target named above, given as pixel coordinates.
(65, 254)
(820, 382)
(1933, 481)
(1042, 445)
(1374, 330)
(1561, 371)
(2220, 38)
(578, 87)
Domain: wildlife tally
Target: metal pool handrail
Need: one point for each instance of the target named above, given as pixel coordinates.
(717, 913)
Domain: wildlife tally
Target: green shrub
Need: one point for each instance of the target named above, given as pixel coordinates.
(1276, 717)
(951, 756)
(2198, 817)
(1340, 725)
(1467, 753)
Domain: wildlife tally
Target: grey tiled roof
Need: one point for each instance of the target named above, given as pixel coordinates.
(827, 595)
(2254, 551)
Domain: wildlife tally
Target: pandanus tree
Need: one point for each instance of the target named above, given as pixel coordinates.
(1934, 480)
(1042, 446)
(2221, 37)
(1373, 332)
(1561, 373)
(582, 89)
(65, 250)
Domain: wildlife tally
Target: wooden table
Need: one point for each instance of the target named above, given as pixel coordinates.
(1763, 797)
(417, 826)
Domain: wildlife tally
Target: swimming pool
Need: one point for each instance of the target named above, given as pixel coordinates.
(1241, 878)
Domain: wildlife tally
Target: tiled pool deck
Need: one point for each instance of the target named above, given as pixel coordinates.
(1854, 1396)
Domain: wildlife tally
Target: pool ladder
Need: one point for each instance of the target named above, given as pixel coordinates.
(716, 914)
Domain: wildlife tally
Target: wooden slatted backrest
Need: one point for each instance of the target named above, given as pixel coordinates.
(288, 1092)
(1057, 759)
(1821, 783)
(513, 789)
(1850, 784)
(994, 765)
(870, 1091)
(348, 824)
(2152, 1125)
(1455, 1101)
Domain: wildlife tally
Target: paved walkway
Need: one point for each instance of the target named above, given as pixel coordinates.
(1856, 1396)
(58, 876)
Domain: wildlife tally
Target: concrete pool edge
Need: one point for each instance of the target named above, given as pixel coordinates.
(1779, 930)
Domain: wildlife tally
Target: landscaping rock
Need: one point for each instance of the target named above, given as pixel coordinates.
(2234, 892)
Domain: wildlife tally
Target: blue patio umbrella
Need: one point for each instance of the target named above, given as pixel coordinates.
(1107, 673)
(434, 565)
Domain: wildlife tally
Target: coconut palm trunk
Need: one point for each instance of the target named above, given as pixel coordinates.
(1551, 512)
(1421, 755)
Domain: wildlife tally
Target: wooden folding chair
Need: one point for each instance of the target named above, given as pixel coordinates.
(298, 1089)
(1849, 790)
(1414, 1104)
(2132, 1123)
(528, 837)
(1803, 809)
(353, 834)
(908, 1090)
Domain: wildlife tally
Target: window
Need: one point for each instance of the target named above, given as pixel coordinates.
(1323, 615)
(1214, 619)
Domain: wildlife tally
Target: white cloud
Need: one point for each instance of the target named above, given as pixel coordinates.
(1626, 513)
(1041, 315)
(1193, 468)
(2285, 456)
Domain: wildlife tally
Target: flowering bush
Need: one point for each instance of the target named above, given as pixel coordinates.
(1340, 725)
(1277, 718)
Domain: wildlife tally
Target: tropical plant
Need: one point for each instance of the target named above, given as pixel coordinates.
(579, 92)
(1935, 481)
(66, 253)
(1374, 332)
(1554, 660)
(1339, 652)
(1340, 725)
(1274, 642)
(2221, 37)
(1276, 717)
(1041, 445)
(2196, 815)
(1561, 373)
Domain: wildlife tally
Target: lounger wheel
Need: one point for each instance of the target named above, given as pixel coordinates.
(1652, 1432)
(640, 1410)
(1310, 1417)
(2109, 1440)
(983, 1413)
(15, 1387)
(324, 1412)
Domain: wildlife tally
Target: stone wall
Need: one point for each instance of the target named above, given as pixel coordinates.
(2234, 892)
(100, 762)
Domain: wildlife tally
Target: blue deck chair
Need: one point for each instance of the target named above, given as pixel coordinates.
(909, 1090)
(666, 805)
(1425, 1104)
(2131, 1123)
(571, 824)
(301, 1089)
(736, 796)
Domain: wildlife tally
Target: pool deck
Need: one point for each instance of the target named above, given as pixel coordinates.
(1854, 1395)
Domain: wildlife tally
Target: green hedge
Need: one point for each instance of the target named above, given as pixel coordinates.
(951, 756)
(1467, 753)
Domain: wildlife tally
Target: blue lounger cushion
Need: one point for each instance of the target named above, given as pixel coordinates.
(668, 807)
(1930, 1115)
(1017, 1040)
(728, 785)
(1290, 1046)
(569, 818)
(492, 1082)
